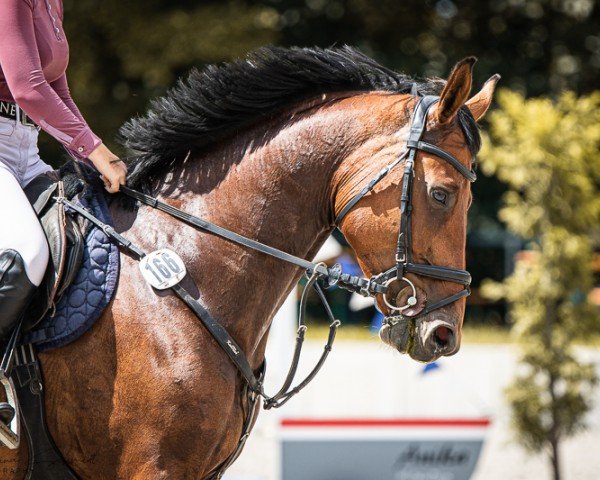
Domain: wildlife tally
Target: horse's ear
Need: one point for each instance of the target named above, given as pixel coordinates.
(456, 91)
(481, 101)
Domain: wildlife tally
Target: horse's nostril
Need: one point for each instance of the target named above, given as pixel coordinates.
(443, 336)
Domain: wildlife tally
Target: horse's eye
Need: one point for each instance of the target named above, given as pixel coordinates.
(440, 196)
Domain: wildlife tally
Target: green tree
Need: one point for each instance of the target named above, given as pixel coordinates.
(123, 54)
(548, 153)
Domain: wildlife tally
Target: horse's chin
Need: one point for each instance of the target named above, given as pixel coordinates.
(405, 335)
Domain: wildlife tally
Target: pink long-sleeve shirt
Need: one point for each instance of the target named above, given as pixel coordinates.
(34, 55)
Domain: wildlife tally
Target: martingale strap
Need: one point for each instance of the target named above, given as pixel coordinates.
(220, 334)
(285, 392)
(254, 389)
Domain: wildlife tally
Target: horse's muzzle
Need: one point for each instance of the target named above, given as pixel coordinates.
(425, 339)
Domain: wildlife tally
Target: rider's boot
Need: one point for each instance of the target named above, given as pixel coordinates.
(15, 292)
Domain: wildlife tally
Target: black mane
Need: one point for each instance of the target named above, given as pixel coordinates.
(222, 99)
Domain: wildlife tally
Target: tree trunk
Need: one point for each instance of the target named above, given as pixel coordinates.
(554, 458)
(553, 434)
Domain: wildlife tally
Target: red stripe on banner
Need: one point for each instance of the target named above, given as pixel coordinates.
(386, 422)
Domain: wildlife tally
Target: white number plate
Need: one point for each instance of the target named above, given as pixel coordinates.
(162, 269)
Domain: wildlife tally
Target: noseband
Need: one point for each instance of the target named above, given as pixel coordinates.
(404, 257)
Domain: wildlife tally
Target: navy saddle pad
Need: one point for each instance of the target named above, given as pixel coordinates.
(91, 291)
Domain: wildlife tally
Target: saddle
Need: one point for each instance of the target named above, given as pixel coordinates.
(65, 240)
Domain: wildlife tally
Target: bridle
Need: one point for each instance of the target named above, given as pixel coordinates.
(319, 275)
(404, 257)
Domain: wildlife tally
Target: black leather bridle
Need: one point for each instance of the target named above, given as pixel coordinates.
(404, 257)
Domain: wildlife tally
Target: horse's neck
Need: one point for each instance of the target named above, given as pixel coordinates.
(271, 187)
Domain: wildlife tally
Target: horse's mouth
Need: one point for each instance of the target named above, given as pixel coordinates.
(396, 332)
(425, 339)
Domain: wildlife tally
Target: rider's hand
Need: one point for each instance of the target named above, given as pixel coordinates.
(113, 171)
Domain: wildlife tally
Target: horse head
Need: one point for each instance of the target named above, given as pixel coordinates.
(416, 217)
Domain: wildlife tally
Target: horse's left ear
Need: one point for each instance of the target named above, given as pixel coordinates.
(481, 101)
(456, 91)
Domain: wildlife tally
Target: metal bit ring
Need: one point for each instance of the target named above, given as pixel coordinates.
(410, 302)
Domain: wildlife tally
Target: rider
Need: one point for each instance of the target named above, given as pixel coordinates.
(34, 94)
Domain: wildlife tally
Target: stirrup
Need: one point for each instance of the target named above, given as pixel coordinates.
(10, 435)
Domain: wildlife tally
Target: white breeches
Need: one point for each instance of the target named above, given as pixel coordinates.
(20, 229)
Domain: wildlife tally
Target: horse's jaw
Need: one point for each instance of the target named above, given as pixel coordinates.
(424, 339)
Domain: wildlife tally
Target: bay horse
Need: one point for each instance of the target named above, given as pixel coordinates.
(272, 147)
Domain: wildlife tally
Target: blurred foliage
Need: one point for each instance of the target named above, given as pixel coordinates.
(537, 45)
(124, 53)
(549, 155)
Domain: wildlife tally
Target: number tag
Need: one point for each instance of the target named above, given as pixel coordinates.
(162, 269)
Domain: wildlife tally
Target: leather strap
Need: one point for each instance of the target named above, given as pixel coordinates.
(438, 152)
(368, 187)
(403, 250)
(465, 292)
(285, 392)
(227, 343)
(222, 232)
(432, 271)
(333, 275)
(440, 273)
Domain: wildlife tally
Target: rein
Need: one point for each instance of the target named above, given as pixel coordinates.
(254, 385)
(332, 276)
(227, 343)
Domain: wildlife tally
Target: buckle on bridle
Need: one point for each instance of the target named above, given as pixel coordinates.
(333, 275)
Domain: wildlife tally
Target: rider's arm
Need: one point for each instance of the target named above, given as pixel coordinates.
(22, 70)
